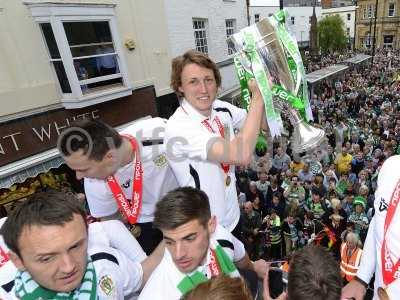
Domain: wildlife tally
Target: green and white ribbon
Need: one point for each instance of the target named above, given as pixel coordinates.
(295, 62)
(244, 77)
(27, 289)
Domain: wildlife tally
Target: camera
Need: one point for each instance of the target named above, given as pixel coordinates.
(277, 281)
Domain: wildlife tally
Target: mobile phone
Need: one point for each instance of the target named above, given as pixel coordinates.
(276, 284)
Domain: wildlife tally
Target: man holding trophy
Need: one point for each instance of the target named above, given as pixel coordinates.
(201, 132)
(204, 147)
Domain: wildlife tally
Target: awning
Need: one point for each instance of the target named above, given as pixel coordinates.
(359, 58)
(19, 171)
(324, 73)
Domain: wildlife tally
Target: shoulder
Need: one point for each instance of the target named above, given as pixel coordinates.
(144, 129)
(162, 282)
(232, 111)
(114, 270)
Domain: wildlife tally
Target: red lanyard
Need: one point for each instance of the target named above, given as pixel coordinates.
(130, 209)
(221, 129)
(389, 269)
(213, 265)
(4, 258)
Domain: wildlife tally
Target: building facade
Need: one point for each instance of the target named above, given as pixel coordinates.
(387, 31)
(298, 20)
(347, 13)
(205, 26)
(64, 60)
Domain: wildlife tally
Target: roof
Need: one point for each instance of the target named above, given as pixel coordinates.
(357, 59)
(325, 73)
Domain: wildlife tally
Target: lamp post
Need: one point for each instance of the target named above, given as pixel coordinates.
(248, 12)
(374, 39)
(355, 25)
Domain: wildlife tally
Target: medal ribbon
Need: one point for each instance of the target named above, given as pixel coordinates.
(213, 266)
(130, 209)
(4, 257)
(221, 129)
(219, 263)
(389, 269)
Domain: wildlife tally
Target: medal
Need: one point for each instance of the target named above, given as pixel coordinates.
(382, 294)
(228, 180)
(136, 230)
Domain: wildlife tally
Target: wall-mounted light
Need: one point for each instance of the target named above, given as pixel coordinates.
(130, 44)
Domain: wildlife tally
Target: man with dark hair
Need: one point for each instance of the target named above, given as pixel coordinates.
(197, 249)
(47, 237)
(313, 274)
(208, 148)
(126, 171)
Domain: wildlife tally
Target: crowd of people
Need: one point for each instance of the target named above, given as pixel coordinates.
(290, 200)
(312, 64)
(201, 204)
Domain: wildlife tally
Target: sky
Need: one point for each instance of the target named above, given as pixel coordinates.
(264, 2)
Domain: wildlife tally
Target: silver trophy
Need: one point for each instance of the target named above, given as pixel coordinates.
(269, 48)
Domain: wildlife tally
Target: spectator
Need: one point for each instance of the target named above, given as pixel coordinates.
(343, 162)
(281, 161)
(305, 174)
(251, 224)
(291, 228)
(359, 217)
(294, 193)
(350, 255)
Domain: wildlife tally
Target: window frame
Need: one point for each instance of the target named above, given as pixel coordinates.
(230, 31)
(56, 15)
(388, 45)
(394, 10)
(205, 29)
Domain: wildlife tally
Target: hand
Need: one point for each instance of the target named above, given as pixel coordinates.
(261, 267)
(255, 231)
(353, 289)
(255, 91)
(266, 295)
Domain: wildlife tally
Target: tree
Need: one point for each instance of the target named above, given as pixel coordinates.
(331, 34)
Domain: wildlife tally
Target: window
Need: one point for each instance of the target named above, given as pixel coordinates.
(364, 13)
(230, 29)
(200, 35)
(348, 31)
(388, 41)
(348, 17)
(269, 15)
(292, 20)
(368, 41)
(256, 18)
(391, 10)
(85, 53)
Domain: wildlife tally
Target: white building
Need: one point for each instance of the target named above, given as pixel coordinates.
(205, 26)
(102, 59)
(298, 20)
(347, 13)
